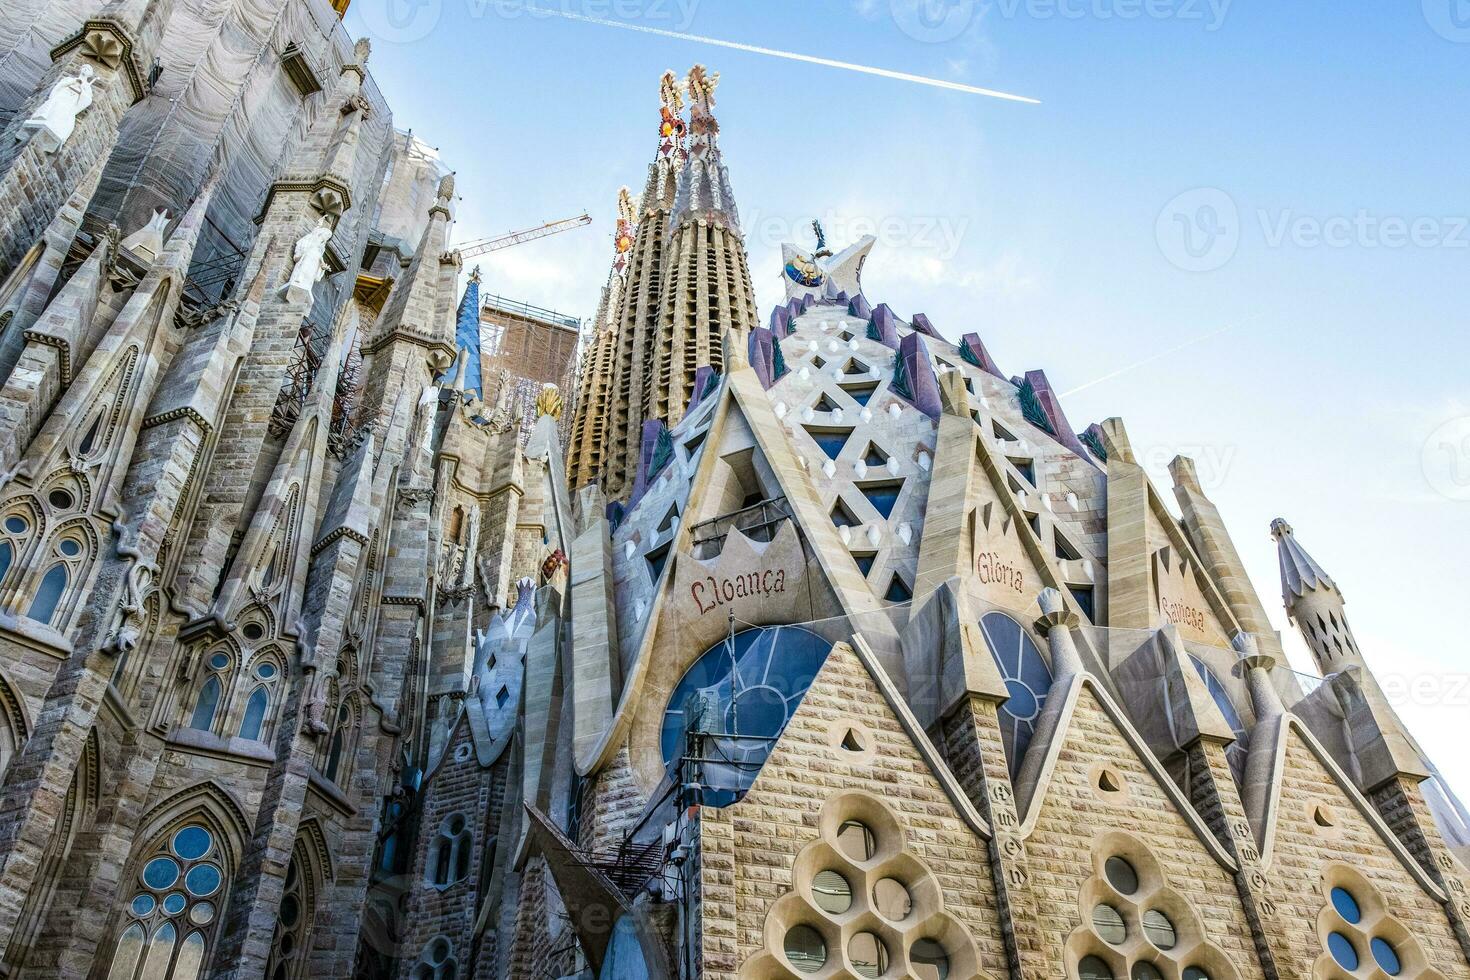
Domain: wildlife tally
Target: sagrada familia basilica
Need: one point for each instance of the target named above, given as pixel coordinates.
(784, 644)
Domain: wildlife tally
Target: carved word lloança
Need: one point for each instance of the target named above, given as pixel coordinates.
(710, 592)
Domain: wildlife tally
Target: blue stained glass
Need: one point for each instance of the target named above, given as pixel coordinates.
(192, 842)
(160, 873)
(143, 904)
(174, 904)
(1343, 951)
(254, 719)
(202, 879)
(1346, 905)
(16, 524)
(48, 596)
(1386, 956)
(7, 555)
(830, 440)
(773, 667)
(883, 496)
(1027, 678)
(204, 709)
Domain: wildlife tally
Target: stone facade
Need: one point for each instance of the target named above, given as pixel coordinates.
(825, 648)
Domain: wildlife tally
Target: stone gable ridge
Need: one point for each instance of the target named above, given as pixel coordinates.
(473, 719)
(845, 657)
(1271, 813)
(1046, 747)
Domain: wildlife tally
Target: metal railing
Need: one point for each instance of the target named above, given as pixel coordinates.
(758, 522)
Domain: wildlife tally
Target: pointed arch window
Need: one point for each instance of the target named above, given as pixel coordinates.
(449, 854)
(1027, 678)
(337, 748)
(211, 691)
(289, 947)
(256, 718)
(173, 911)
(48, 594)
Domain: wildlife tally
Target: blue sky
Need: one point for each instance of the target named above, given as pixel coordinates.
(1280, 184)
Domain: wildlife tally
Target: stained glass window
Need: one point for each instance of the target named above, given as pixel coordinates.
(1027, 680)
(742, 691)
(171, 910)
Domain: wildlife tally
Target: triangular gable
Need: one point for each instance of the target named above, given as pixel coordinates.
(1298, 742)
(1178, 599)
(1044, 765)
(743, 408)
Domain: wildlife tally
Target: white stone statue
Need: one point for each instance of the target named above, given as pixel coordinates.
(53, 121)
(310, 262)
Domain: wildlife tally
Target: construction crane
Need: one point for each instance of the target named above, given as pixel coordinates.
(481, 246)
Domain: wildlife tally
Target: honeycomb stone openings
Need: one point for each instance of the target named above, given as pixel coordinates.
(893, 925)
(1361, 937)
(1136, 925)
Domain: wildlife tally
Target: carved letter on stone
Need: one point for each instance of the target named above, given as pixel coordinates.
(309, 256)
(53, 121)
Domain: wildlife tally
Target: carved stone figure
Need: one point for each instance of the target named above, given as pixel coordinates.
(309, 256)
(52, 123)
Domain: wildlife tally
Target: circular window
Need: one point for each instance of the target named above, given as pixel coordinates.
(805, 949)
(747, 685)
(855, 840)
(174, 903)
(192, 843)
(868, 954)
(16, 524)
(60, 499)
(1107, 922)
(265, 671)
(892, 900)
(1346, 905)
(70, 547)
(203, 879)
(1386, 956)
(253, 631)
(1144, 970)
(928, 960)
(219, 661)
(202, 914)
(1343, 950)
(1094, 968)
(832, 892)
(1159, 930)
(143, 904)
(1121, 875)
(160, 873)
(1195, 973)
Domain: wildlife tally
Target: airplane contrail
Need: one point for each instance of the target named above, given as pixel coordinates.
(1163, 353)
(901, 76)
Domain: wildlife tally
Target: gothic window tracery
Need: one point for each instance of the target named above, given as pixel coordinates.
(449, 855)
(338, 746)
(438, 962)
(68, 552)
(1027, 678)
(289, 947)
(1359, 931)
(17, 531)
(213, 687)
(264, 679)
(173, 908)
